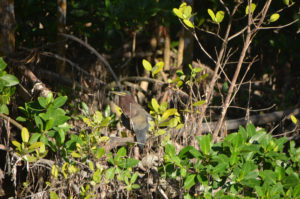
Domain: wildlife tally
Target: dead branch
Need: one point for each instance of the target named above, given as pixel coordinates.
(94, 51)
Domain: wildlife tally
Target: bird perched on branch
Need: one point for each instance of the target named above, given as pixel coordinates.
(137, 116)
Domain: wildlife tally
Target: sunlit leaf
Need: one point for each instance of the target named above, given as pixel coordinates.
(253, 6)
(294, 119)
(178, 13)
(157, 68)
(25, 135)
(2, 64)
(220, 16)
(168, 113)
(53, 195)
(211, 14)
(286, 2)
(199, 103)
(9, 80)
(155, 105)
(49, 98)
(189, 181)
(35, 145)
(147, 65)
(187, 12)
(274, 17)
(4, 109)
(16, 144)
(188, 23)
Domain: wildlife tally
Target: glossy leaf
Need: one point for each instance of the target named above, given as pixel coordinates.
(4, 109)
(274, 17)
(286, 2)
(157, 68)
(220, 16)
(199, 103)
(155, 105)
(49, 98)
(9, 80)
(53, 195)
(211, 14)
(189, 181)
(60, 101)
(178, 13)
(168, 113)
(294, 119)
(109, 174)
(253, 6)
(25, 135)
(147, 65)
(205, 143)
(2, 64)
(188, 23)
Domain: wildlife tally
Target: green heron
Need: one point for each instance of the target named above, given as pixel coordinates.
(137, 116)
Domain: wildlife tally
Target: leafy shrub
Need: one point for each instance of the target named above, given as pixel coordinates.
(47, 120)
(7, 89)
(248, 163)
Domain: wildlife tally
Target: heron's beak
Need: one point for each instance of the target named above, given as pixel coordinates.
(120, 93)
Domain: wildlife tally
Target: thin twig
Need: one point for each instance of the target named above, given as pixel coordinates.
(93, 50)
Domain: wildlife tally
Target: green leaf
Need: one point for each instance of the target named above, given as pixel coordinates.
(199, 103)
(49, 98)
(168, 113)
(39, 123)
(25, 135)
(35, 145)
(4, 109)
(21, 119)
(268, 176)
(155, 105)
(100, 152)
(188, 23)
(294, 119)
(286, 2)
(9, 80)
(211, 14)
(253, 6)
(75, 155)
(187, 12)
(251, 131)
(49, 124)
(220, 16)
(129, 163)
(157, 68)
(135, 186)
(205, 143)
(85, 108)
(296, 192)
(189, 181)
(187, 196)
(2, 64)
(53, 195)
(178, 13)
(122, 152)
(290, 181)
(34, 138)
(109, 174)
(60, 101)
(147, 65)
(107, 111)
(97, 176)
(42, 102)
(16, 144)
(274, 17)
(134, 177)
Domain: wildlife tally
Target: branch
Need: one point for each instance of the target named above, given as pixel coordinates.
(14, 122)
(93, 50)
